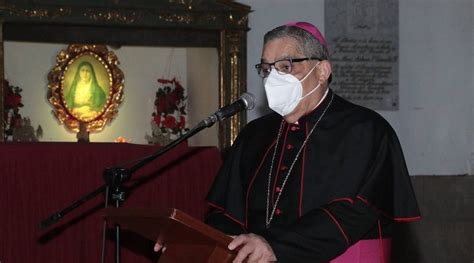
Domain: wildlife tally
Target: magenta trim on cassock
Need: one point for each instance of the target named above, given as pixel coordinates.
(367, 251)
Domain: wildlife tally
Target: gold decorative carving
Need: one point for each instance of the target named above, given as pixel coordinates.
(238, 20)
(41, 13)
(112, 16)
(207, 18)
(189, 4)
(235, 91)
(85, 86)
(177, 18)
(233, 41)
(186, 18)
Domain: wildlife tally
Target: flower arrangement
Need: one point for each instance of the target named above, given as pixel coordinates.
(169, 117)
(16, 128)
(11, 113)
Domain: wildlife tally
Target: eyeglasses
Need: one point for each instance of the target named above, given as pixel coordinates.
(282, 66)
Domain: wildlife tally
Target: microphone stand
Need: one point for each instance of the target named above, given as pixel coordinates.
(114, 177)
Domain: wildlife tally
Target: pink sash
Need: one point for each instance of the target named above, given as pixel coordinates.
(367, 251)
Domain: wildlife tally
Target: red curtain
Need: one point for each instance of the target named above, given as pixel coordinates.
(38, 179)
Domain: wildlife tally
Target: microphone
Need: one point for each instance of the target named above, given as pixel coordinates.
(245, 102)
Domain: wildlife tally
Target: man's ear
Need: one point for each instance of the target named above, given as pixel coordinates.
(325, 71)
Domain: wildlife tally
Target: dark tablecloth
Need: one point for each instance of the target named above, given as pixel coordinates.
(37, 179)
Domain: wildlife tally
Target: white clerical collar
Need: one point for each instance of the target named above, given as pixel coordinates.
(321, 100)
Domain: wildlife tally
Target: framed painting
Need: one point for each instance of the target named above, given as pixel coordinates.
(85, 87)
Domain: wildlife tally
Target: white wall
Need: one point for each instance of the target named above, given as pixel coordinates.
(435, 123)
(203, 92)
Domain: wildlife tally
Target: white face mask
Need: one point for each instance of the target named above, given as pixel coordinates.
(284, 92)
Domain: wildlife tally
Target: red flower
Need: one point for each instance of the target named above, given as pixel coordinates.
(179, 90)
(172, 98)
(165, 81)
(13, 101)
(156, 119)
(161, 105)
(169, 122)
(182, 122)
(170, 103)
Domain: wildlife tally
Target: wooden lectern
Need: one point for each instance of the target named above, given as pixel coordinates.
(186, 238)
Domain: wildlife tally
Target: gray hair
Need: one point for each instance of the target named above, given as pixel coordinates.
(307, 43)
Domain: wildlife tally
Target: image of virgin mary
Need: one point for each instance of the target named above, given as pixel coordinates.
(85, 97)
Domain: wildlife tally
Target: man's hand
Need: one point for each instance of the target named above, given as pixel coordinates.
(159, 247)
(254, 248)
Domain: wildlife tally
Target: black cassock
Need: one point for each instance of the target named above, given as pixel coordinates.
(349, 183)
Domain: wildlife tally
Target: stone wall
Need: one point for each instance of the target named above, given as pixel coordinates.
(446, 231)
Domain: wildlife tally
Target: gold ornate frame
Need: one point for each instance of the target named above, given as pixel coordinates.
(185, 23)
(57, 78)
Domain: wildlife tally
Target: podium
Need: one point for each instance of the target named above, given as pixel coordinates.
(186, 238)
